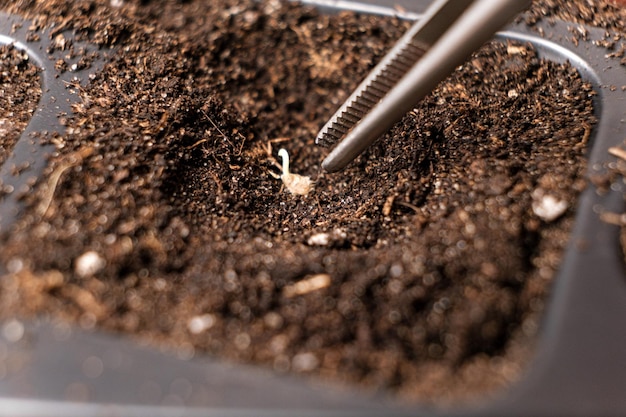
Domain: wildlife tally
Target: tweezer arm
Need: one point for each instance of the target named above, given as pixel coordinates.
(396, 63)
(476, 26)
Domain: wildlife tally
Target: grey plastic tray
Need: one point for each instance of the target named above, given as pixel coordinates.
(579, 368)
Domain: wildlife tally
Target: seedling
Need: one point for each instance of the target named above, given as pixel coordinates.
(296, 184)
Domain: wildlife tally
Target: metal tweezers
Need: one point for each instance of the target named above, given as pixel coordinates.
(442, 39)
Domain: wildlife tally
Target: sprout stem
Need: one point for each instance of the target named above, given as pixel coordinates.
(285, 157)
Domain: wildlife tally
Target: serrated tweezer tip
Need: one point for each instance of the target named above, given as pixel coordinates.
(446, 34)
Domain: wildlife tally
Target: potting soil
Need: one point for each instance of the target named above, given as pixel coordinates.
(421, 270)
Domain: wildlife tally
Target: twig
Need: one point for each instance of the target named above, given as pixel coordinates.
(53, 182)
(618, 152)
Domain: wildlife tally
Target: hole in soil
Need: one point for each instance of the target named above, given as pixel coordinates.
(20, 85)
(439, 243)
(421, 269)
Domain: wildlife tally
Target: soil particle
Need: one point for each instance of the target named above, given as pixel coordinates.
(612, 179)
(422, 269)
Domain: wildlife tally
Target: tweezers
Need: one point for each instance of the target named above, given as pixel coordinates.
(443, 38)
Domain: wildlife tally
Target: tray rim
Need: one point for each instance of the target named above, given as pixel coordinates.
(515, 400)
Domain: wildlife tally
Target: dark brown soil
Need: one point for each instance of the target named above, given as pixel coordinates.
(605, 14)
(421, 269)
(608, 15)
(20, 90)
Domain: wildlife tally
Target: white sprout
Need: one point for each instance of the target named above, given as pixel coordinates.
(296, 184)
(284, 155)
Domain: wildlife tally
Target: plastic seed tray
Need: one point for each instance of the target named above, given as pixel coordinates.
(579, 367)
